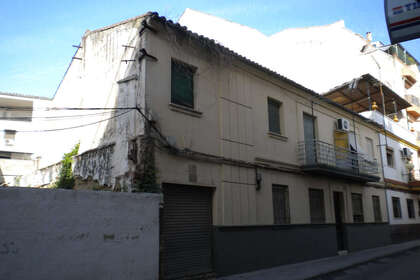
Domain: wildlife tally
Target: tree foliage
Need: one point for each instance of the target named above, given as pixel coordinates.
(66, 179)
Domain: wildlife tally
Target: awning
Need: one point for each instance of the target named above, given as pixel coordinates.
(354, 95)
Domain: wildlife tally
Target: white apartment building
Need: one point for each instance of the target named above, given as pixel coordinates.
(18, 146)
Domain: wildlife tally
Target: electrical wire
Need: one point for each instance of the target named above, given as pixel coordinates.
(63, 108)
(52, 117)
(71, 127)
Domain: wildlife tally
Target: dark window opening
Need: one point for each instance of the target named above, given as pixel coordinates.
(410, 208)
(316, 205)
(274, 116)
(357, 204)
(390, 157)
(377, 208)
(281, 204)
(396, 207)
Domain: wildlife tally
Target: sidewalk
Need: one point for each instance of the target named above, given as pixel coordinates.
(310, 269)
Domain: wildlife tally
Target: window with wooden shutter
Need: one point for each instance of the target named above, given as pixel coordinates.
(316, 205)
(357, 204)
(376, 208)
(281, 208)
(274, 116)
(182, 84)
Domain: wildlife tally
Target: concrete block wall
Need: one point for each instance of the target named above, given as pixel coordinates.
(65, 234)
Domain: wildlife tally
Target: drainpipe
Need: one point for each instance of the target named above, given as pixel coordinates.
(386, 146)
(314, 130)
(383, 175)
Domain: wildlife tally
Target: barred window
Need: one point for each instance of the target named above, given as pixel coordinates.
(376, 208)
(316, 205)
(357, 203)
(281, 208)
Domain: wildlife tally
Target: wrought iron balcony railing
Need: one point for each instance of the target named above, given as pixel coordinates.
(316, 154)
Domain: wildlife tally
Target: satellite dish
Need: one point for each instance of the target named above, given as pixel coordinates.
(402, 19)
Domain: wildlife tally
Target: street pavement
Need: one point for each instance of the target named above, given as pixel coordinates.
(397, 261)
(402, 266)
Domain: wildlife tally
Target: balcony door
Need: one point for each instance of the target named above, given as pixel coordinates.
(309, 137)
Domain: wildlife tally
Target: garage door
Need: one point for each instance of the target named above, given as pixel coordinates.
(186, 226)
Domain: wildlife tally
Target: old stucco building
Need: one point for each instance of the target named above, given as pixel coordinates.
(248, 161)
(352, 70)
(256, 170)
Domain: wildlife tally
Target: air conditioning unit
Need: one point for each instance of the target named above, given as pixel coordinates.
(343, 124)
(10, 142)
(406, 153)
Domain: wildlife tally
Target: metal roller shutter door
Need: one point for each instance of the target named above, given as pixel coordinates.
(186, 231)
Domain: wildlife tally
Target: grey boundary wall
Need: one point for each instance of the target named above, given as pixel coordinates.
(66, 234)
(239, 249)
(360, 236)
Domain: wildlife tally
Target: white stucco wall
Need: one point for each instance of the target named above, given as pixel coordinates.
(403, 196)
(94, 80)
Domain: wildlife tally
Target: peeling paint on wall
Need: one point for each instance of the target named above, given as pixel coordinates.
(95, 164)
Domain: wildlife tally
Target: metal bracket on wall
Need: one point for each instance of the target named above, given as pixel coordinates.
(126, 46)
(146, 26)
(77, 46)
(127, 60)
(145, 54)
(79, 58)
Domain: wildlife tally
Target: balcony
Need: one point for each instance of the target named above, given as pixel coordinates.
(323, 158)
(391, 126)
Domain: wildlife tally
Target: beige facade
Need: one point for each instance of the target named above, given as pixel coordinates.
(223, 142)
(230, 121)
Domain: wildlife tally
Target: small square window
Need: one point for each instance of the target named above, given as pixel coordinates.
(182, 84)
(274, 116)
(390, 157)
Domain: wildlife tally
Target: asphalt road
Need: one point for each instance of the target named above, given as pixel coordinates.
(403, 266)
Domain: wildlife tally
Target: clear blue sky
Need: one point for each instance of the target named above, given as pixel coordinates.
(37, 36)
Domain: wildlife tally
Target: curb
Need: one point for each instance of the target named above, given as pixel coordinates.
(362, 262)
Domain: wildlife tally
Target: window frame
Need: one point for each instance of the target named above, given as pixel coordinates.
(361, 217)
(370, 144)
(396, 199)
(418, 210)
(279, 121)
(389, 149)
(313, 219)
(191, 70)
(377, 218)
(410, 210)
(286, 219)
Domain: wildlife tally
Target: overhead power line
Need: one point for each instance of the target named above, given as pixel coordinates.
(54, 117)
(72, 127)
(64, 108)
